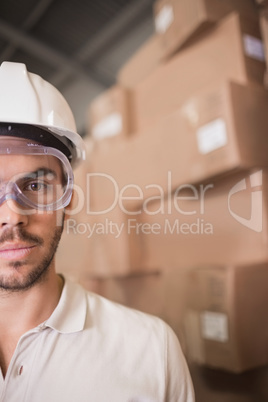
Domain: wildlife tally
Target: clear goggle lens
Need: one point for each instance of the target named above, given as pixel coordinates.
(36, 177)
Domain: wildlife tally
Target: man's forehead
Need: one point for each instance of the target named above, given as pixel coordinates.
(21, 155)
(21, 160)
(6, 141)
(13, 166)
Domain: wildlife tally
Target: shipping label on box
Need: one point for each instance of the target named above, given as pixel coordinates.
(211, 136)
(164, 19)
(214, 326)
(254, 47)
(109, 126)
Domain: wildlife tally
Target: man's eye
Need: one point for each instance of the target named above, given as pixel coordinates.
(35, 186)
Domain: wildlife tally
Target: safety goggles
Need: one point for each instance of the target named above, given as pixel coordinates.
(35, 176)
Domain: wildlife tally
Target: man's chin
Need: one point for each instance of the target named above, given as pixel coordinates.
(20, 279)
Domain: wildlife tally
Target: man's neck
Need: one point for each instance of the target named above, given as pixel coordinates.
(23, 311)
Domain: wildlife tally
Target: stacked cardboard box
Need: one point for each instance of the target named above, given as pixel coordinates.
(195, 162)
(230, 50)
(141, 291)
(219, 130)
(207, 134)
(222, 221)
(262, 2)
(109, 114)
(179, 21)
(141, 64)
(264, 32)
(226, 323)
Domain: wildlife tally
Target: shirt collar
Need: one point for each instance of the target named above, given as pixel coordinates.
(70, 314)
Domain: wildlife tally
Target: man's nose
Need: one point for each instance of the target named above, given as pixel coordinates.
(11, 214)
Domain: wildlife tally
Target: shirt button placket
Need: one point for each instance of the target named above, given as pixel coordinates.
(20, 369)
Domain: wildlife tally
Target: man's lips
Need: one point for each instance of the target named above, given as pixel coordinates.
(15, 251)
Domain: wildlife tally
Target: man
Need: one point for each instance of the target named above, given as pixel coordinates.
(57, 341)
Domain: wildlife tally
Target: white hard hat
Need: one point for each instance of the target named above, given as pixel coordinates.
(27, 99)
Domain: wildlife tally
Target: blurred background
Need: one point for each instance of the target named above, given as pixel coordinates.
(78, 46)
(171, 204)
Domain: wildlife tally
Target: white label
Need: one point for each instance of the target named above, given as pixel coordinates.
(211, 136)
(164, 19)
(108, 127)
(254, 47)
(214, 326)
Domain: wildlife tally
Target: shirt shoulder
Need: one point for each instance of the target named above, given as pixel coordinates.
(133, 339)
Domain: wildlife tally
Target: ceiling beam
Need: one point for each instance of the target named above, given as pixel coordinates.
(92, 50)
(46, 53)
(95, 47)
(31, 20)
(114, 30)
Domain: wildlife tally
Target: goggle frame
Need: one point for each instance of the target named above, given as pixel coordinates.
(12, 191)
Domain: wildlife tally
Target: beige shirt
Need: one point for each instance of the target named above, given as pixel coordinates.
(93, 350)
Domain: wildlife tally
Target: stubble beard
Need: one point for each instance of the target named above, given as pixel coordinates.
(39, 273)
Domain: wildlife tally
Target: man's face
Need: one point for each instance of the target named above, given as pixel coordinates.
(28, 237)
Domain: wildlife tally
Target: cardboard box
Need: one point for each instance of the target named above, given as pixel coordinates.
(264, 33)
(78, 202)
(263, 3)
(73, 255)
(161, 294)
(94, 248)
(219, 222)
(228, 51)
(112, 246)
(177, 21)
(226, 322)
(93, 245)
(219, 130)
(140, 291)
(102, 246)
(245, 7)
(264, 30)
(141, 64)
(109, 114)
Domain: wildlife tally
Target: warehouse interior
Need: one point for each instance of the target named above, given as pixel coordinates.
(77, 46)
(170, 208)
